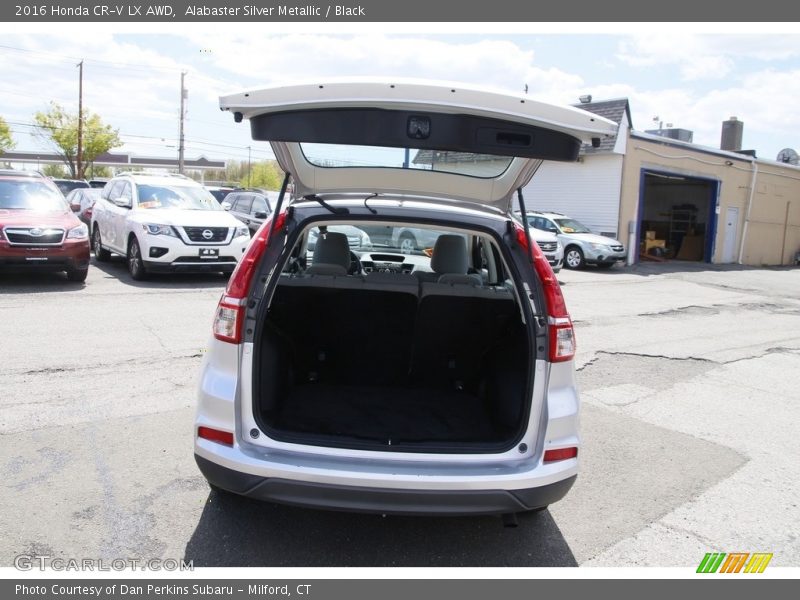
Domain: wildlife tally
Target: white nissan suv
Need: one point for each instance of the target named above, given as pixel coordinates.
(396, 379)
(165, 224)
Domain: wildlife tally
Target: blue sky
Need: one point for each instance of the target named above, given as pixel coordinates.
(691, 80)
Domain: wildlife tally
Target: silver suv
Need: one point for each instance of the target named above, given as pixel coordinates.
(396, 380)
(581, 246)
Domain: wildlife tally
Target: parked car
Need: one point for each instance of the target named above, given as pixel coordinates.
(407, 239)
(251, 206)
(219, 192)
(38, 231)
(165, 224)
(550, 246)
(393, 382)
(81, 201)
(581, 246)
(65, 186)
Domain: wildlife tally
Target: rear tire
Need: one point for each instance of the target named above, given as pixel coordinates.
(573, 258)
(136, 267)
(100, 253)
(77, 275)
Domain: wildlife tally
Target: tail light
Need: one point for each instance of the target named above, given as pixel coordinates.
(215, 435)
(560, 454)
(559, 323)
(230, 310)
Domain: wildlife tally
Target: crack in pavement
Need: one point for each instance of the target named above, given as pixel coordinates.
(715, 309)
(127, 361)
(766, 352)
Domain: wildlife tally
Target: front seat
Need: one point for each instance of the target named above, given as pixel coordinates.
(331, 255)
(450, 262)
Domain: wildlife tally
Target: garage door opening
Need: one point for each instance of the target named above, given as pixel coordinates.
(677, 217)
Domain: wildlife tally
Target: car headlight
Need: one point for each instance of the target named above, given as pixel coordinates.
(240, 231)
(153, 229)
(600, 247)
(81, 232)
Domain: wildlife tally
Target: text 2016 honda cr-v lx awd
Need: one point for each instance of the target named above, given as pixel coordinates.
(433, 381)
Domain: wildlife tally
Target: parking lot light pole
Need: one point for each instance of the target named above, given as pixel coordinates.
(183, 115)
(79, 158)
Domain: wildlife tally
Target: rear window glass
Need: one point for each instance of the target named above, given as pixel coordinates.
(460, 163)
(30, 195)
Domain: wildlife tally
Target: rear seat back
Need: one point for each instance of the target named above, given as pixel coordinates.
(387, 328)
(349, 329)
(457, 325)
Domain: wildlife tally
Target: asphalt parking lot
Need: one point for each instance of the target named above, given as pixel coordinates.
(691, 400)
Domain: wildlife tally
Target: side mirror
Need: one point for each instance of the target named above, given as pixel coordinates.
(225, 205)
(122, 202)
(260, 215)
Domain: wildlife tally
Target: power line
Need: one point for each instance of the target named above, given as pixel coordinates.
(70, 59)
(145, 137)
(107, 64)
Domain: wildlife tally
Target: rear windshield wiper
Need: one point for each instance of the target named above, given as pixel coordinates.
(336, 210)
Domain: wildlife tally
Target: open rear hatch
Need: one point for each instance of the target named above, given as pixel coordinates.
(400, 363)
(421, 116)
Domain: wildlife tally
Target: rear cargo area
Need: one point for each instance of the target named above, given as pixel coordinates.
(387, 361)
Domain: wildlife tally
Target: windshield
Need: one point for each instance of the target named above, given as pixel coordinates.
(571, 226)
(461, 163)
(30, 195)
(176, 196)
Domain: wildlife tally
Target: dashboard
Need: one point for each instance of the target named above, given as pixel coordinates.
(389, 262)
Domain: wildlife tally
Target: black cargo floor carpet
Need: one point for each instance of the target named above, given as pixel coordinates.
(383, 414)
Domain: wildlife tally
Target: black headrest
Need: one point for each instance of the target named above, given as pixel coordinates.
(332, 249)
(450, 255)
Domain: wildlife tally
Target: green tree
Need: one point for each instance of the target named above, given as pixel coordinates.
(60, 129)
(6, 141)
(265, 174)
(57, 171)
(101, 171)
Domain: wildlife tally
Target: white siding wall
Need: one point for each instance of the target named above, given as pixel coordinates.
(588, 191)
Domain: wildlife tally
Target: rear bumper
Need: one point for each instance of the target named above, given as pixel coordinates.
(382, 500)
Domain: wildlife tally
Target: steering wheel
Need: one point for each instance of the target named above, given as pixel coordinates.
(355, 264)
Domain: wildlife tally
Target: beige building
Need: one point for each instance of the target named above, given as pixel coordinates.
(708, 205)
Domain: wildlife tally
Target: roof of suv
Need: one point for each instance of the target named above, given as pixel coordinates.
(158, 178)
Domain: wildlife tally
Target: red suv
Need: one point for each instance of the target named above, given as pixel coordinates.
(38, 231)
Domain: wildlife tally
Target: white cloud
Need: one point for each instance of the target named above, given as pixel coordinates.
(705, 56)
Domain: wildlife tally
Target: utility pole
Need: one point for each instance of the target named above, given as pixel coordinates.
(183, 115)
(79, 169)
(249, 166)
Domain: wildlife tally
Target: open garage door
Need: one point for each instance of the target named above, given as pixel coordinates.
(677, 217)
